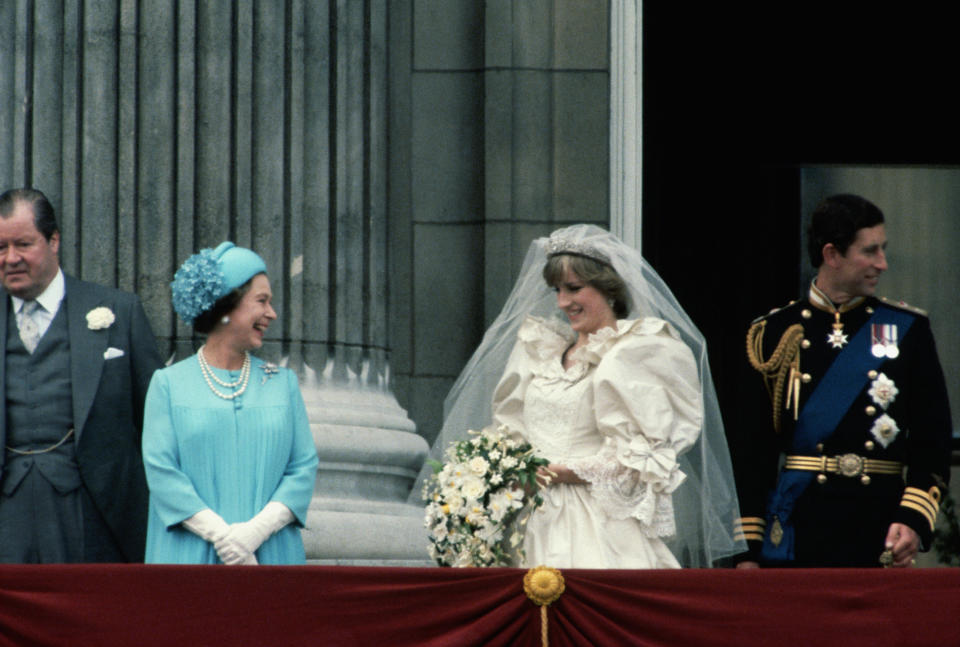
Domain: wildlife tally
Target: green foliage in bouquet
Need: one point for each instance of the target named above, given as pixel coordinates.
(486, 488)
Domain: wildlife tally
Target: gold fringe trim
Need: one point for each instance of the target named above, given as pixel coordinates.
(544, 586)
(782, 366)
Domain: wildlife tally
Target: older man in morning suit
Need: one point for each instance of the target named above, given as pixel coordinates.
(78, 359)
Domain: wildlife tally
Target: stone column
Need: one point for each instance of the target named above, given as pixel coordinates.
(626, 119)
(369, 450)
(158, 129)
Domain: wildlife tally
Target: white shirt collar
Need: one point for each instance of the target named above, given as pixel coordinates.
(50, 298)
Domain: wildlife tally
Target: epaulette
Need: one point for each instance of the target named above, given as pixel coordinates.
(772, 312)
(902, 305)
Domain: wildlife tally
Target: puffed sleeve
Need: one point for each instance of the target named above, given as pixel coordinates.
(508, 396)
(647, 405)
(172, 493)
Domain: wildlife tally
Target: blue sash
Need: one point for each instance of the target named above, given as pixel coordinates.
(821, 414)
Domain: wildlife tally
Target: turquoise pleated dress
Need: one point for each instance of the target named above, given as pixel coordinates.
(232, 456)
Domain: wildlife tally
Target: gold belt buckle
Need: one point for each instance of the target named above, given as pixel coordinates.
(850, 465)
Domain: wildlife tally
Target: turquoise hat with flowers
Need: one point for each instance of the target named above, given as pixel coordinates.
(210, 274)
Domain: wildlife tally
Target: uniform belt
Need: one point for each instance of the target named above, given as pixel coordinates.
(845, 465)
(45, 450)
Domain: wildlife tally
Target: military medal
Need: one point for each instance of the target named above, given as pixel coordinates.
(884, 341)
(837, 339)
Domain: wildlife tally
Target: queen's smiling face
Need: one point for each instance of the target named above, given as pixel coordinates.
(252, 316)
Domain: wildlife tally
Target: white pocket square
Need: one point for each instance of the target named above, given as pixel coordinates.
(112, 353)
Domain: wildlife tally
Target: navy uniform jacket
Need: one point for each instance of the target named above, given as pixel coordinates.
(843, 520)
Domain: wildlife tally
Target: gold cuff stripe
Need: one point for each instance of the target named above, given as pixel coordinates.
(925, 503)
(933, 496)
(928, 512)
(931, 507)
(749, 528)
(923, 511)
(921, 498)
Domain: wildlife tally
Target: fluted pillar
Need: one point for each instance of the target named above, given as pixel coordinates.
(369, 450)
(158, 129)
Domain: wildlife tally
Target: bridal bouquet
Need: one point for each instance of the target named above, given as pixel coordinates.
(477, 496)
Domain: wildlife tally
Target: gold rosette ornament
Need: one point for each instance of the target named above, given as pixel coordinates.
(544, 586)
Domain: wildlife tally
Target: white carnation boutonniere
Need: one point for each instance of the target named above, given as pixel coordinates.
(100, 318)
(269, 370)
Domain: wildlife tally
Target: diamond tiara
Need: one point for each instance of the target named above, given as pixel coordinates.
(558, 246)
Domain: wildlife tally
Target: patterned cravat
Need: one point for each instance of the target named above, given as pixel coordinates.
(29, 330)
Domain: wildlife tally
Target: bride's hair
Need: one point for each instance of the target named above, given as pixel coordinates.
(600, 275)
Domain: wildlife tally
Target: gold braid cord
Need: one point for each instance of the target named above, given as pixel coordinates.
(782, 366)
(543, 585)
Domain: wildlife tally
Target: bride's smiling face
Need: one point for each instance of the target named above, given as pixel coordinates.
(585, 306)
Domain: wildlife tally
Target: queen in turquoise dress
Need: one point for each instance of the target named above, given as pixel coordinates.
(227, 448)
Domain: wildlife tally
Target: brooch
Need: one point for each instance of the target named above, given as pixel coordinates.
(269, 370)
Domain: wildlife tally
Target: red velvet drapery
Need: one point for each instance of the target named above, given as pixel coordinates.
(135, 605)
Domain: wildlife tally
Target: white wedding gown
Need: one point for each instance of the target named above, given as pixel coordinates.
(618, 417)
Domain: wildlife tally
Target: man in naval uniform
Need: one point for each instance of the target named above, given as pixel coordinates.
(78, 360)
(846, 446)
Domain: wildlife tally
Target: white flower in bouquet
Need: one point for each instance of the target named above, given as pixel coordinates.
(454, 506)
(481, 491)
(455, 474)
(439, 532)
(476, 516)
(503, 502)
(490, 532)
(473, 488)
(478, 465)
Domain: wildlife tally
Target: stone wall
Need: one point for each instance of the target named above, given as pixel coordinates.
(499, 119)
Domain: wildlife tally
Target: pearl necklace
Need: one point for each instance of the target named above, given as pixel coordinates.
(210, 377)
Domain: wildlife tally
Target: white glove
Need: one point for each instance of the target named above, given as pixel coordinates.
(249, 535)
(211, 527)
(231, 552)
(207, 525)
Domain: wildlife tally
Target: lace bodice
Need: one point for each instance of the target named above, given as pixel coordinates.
(618, 416)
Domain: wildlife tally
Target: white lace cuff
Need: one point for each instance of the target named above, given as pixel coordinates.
(634, 481)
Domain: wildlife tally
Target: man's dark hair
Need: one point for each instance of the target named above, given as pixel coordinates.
(837, 220)
(44, 218)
